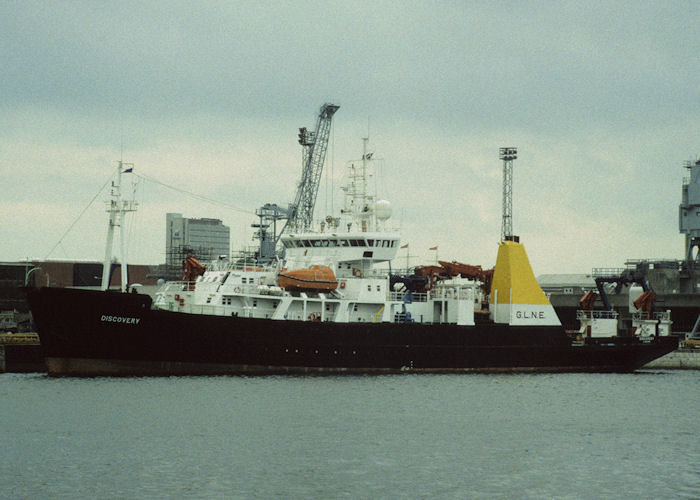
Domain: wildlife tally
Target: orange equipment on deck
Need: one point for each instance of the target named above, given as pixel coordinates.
(468, 271)
(588, 300)
(432, 273)
(193, 269)
(316, 279)
(447, 270)
(645, 302)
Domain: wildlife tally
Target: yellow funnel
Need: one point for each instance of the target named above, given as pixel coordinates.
(516, 298)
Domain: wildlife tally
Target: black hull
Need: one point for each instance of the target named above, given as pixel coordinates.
(88, 333)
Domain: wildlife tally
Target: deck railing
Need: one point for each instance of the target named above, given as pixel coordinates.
(583, 314)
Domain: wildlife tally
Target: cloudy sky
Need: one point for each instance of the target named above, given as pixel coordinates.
(602, 102)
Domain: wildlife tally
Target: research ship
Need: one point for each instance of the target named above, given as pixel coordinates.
(329, 303)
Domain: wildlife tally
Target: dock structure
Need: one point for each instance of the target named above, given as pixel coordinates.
(685, 358)
(20, 352)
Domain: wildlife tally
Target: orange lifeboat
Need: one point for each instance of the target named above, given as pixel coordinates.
(316, 279)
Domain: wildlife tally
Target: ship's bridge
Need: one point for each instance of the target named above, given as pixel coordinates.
(366, 247)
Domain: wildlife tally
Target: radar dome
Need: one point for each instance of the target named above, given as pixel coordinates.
(382, 209)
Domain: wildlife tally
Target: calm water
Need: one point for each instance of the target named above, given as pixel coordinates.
(404, 436)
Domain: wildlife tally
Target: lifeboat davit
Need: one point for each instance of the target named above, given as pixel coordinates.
(316, 278)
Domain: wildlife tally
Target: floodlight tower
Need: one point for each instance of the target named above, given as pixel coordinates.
(508, 155)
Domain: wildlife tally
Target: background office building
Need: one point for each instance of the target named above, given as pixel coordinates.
(206, 239)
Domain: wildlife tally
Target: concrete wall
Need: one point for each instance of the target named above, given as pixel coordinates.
(682, 358)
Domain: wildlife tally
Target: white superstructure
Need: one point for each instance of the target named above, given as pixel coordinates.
(352, 246)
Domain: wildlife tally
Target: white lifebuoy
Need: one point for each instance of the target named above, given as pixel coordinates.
(312, 317)
(237, 290)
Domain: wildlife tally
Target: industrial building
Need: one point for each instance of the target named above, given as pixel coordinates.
(206, 239)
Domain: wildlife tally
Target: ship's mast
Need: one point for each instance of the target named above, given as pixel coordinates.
(117, 208)
(359, 203)
(365, 200)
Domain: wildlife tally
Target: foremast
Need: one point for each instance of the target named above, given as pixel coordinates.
(117, 208)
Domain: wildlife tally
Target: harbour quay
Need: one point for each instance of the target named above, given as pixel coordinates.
(20, 353)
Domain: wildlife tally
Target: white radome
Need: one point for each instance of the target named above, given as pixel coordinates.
(382, 209)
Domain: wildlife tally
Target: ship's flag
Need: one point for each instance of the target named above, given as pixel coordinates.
(433, 248)
(405, 246)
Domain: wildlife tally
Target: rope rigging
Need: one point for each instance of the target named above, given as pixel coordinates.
(153, 180)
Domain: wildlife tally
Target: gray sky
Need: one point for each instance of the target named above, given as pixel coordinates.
(602, 101)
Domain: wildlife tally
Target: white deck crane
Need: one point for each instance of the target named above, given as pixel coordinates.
(315, 145)
(299, 214)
